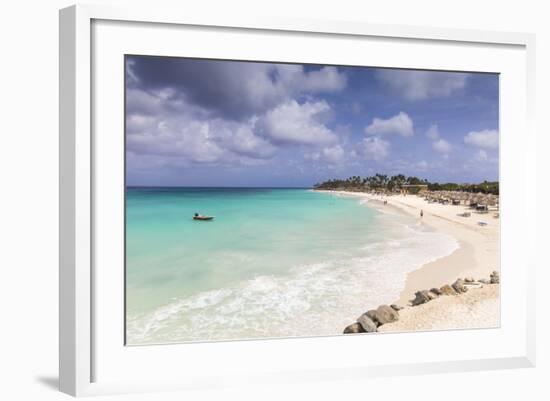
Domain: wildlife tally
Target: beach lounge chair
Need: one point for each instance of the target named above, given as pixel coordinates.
(482, 208)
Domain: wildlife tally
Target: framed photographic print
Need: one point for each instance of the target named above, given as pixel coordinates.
(273, 195)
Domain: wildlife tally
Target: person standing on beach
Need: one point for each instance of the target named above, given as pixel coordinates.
(421, 213)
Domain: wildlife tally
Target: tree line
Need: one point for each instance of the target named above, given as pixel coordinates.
(395, 182)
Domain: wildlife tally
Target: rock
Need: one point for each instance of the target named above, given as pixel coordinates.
(354, 328)
(495, 277)
(396, 307)
(432, 295)
(371, 314)
(382, 315)
(469, 279)
(421, 297)
(459, 286)
(367, 324)
(386, 314)
(484, 281)
(436, 291)
(447, 290)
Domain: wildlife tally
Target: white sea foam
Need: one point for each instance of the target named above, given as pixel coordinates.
(315, 299)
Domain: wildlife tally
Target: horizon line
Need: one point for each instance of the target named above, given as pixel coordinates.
(214, 186)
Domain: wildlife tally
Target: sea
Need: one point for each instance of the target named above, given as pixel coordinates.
(274, 262)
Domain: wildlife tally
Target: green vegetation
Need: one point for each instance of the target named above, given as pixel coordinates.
(486, 187)
(382, 182)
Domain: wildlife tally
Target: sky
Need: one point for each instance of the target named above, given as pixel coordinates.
(198, 122)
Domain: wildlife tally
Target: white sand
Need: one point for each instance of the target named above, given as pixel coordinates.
(477, 256)
(477, 308)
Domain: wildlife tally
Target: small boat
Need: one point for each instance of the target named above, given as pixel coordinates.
(482, 223)
(202, 218)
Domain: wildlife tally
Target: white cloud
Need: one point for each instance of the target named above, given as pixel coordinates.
(374, 148)
(130, 75)
(191, 142)
(190, 135)
(482, 139)
(400, 124)
(433, 132)
(481, 155)
(439, 144)
(294, 123)
(158, 103)
(331, 155)
(482, 158)
(232, 113)
(442, 146)
(201, 142)
(184, 135)
(139, 122)
(241, 139)
(142, 102)
(416, 85)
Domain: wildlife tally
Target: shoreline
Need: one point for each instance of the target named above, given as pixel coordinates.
(478, 252)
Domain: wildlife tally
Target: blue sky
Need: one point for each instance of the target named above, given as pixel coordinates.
(193, 122)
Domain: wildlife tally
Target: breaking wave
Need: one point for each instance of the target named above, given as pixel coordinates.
(307, 300)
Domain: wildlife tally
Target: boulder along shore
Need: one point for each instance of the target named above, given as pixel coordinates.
(466, 303)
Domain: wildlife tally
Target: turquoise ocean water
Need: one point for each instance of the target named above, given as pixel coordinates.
(273, 262)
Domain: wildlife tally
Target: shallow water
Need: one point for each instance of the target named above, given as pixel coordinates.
(273, 262)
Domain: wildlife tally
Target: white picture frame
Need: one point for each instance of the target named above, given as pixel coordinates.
(86, 350)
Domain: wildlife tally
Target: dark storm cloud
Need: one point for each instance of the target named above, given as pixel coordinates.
(230, 89)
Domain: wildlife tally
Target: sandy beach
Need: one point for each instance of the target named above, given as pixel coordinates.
(477, 255)
(477, 308)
